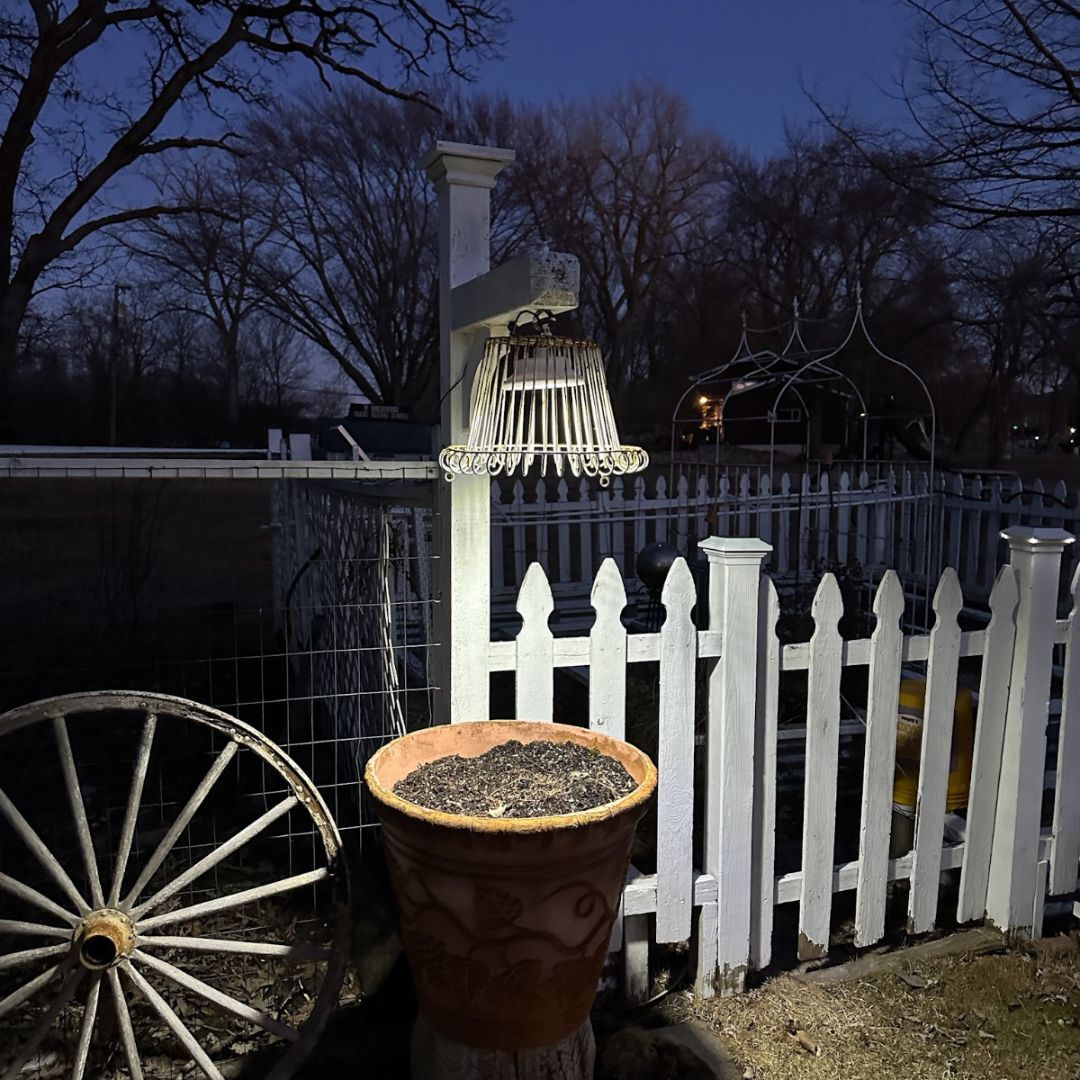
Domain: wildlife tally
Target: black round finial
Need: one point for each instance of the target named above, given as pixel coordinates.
(653, 563)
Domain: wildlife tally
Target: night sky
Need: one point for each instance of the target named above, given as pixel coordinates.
(738, 62)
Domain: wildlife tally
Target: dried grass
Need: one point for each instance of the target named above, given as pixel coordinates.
(980, 1017)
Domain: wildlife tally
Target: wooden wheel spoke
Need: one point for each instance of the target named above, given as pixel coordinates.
(298, 953)
(218, 997)
(37, 846)
(86, 1029)
(32, 896)
(78, 809)
(181, 823)
(27, 990)
(235, 842)
(33, 929)
(131, 815)
(28, 956)
(173, 1022)
(43, 1025)
(234, 900)
(123, 1021)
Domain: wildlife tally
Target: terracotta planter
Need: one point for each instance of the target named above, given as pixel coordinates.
(505, 922)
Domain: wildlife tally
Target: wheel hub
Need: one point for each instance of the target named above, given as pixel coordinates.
(103, 939)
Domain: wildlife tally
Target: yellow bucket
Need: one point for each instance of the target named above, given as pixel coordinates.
(909, 746)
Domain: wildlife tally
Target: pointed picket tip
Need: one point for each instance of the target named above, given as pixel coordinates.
(889, 600)
(845, 481)
(608, 590)
(535, 593)
(679, 586)
(771, 601)
(828, 603)
(1005, 595)
(948, 597)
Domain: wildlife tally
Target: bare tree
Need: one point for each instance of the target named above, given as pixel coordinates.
(993, 92)
(67, 141)
(620, 183)
(351, 262)
(810, 227)
(210, 255)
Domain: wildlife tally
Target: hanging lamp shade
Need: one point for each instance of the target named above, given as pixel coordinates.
(541, 398)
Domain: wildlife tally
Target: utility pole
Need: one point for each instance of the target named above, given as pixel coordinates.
(114, 362)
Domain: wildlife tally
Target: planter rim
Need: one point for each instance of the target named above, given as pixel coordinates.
(525, 825)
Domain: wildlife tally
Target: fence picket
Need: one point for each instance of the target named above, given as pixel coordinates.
(640, 508)
(764, 503)
(764, 808)
(661, 520)
(541, 522)
(675, 758)
(617, 504)
(562, 532)
(937, 728)
(587, 568)
(884, 691)
(783, 537)
(498, 538)
(1065, 852)
(843, 518)
(824, 498)
(535, 648)
(989, 737)
(822, 758)
(517, 515)
(607, 653)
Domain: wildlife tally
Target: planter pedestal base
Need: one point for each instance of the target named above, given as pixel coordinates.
(435, 1057)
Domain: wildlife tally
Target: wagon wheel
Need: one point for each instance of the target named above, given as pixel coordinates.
(134, 939)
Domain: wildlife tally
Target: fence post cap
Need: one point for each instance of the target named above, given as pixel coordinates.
(1025, 538)
(734, 548)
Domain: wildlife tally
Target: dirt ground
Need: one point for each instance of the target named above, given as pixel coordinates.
(1013, 1013)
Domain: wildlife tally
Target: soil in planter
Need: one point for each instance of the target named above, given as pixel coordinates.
(516, 780)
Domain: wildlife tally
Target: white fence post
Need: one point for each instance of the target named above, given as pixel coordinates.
(734, 583)
(1065, 853)
(1014, 859)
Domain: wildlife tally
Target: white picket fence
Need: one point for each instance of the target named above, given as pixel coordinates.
(881, 519)
(725, 907)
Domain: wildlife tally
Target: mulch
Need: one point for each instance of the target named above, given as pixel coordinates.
(518, 780)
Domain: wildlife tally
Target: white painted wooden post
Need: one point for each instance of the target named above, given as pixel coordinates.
(535, 649)
(937, 731)
(1010, 898)
(878, 760)
(675, 758)
(989, 735)
(1065, 852)
(822, 758)
(764, 811)
(498, 570)
(463, 177)
(734, 583)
